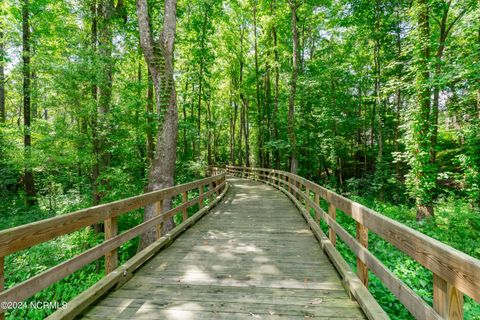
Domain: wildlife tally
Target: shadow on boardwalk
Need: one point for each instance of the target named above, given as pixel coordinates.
(252, 257)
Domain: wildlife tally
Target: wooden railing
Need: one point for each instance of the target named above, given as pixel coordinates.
(25, 236)
(454, 272)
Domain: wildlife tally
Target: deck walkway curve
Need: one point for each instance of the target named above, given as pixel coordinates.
(248, 245)
(252, 257)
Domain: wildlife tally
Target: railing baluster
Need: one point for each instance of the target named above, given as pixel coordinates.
(317, 202)
(362, 237)
(447, 300)
(210, 188)
(200, 200)
(184, 200)
(307, 204)
(332, 212)
(158, 211)
(111, 258)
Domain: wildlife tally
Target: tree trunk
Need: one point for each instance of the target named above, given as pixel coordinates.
(379, 170)
(184, 111)
(2, 75)
(200, 85)
(159, 57)
(293, 89)
(244, 100)
(105, 34)
(267, 102)
(29, 183)
(422, 173)
(398, 94)
(260, 135)
(277, 83)
(240, 135)
(209, 134)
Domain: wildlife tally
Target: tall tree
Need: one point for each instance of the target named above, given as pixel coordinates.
(2, 74)
(294, 5)
(422, 176)
(158, 54)
(445, 28)
(273, 9)
(29, 182)
(102, 34)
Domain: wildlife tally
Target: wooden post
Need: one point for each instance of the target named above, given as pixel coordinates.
(332, 212)
(111, 258)
(2, 282)
(362, 237)
(185, 212)
(307, 204)
(317, 202)
(447, 300)
(158, 211)
(200, 190)
(210, 187)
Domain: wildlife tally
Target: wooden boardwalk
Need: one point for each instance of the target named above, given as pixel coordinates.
(252, 257)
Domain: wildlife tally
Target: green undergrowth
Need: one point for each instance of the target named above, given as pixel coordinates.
(455, 223)
(27, 263)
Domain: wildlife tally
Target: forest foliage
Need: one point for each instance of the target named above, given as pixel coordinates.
(379, 100)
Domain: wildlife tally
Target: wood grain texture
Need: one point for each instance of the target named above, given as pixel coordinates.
(122, 274)
(22, 237)
(317, 215)
(111, 257)
(351, 282)
(184, 211)
(158, 212)
(362, 269)
(332, 211)
(252, 256)
(447, 300)
(41, 281)
(450, 264)
(419, 308)
(415, 304)
(200, 197)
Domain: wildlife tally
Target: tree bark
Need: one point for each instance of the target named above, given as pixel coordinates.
(379, 170)
(200, 84)
(244, 100)
(2, 75)
(209, 133)
(293, 88)
(422, 172)
(159, 57)
(398, 93)
(233, 123)
(29, 182)
(260, 135)
(184, 112)
(277, 84)
(103, 25)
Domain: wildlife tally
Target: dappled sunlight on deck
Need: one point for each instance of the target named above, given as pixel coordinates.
(251, 257)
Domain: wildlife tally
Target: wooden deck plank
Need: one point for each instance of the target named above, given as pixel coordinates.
(253, 256)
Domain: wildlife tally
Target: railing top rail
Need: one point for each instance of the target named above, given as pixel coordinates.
(24, 236)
